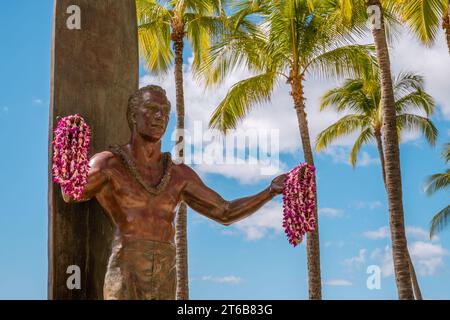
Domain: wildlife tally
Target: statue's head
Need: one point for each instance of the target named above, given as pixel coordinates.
(148, 112)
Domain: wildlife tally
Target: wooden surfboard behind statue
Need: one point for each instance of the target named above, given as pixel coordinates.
(94, 70)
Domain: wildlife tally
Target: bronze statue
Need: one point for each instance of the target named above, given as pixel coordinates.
(140, 187)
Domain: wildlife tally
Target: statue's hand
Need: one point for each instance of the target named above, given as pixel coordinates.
(276, 187)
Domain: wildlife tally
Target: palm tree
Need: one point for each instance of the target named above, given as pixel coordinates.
(424, 18)
(361, 99)
(289, 41)
(436, 182)
(161, 23)
(390, 140)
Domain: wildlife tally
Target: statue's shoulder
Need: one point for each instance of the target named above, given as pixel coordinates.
(184, 171)
(179, 167)
(102, 160)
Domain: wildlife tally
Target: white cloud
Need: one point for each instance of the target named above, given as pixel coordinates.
(337, 243)
(418, 233)
(244, 173)
(342, 155)
(412, 232)
(433, 63)
(226, 279)
(199, 105)
(267, 221)
(375, 254)
(338, 282)
(37, 102)
(371, 205)
(387, 267)
(331, 212)
(337, 154)
(356, 261)
(384, 258)
(427, 257)
(380, 233)
(280, 114)
(365, 160)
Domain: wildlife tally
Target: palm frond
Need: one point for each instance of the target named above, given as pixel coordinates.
(438, 181)
(392, 20)
(418, 100)
(423, 18)
(201, 31)
(365, 137)
(440, 221)
(407, 82)
(414, 122)
(154, 36)
(446, 152)
(238, 42)
(203, 7)
(351, 96)
(234, 51)
(348, 61)
(241, 98)
(344, 126)
(348, 14)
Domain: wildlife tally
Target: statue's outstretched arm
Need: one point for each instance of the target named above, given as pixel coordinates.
(97, 177)
(210, 204)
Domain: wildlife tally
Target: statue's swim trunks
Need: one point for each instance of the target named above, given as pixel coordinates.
(141, 270)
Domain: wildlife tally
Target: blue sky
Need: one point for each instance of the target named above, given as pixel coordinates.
(250, 260)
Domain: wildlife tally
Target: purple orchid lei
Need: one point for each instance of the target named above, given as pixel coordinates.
(299, 203)
(71, 143)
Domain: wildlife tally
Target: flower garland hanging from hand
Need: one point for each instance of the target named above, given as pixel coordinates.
(71, 143)
(299, 203)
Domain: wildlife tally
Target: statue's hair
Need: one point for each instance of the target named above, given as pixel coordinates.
(136, 99)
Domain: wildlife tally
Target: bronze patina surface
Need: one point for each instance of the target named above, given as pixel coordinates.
(142, 264)
(141, 270)
(94, 69)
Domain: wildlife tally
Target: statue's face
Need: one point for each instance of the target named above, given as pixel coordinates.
(152, 116)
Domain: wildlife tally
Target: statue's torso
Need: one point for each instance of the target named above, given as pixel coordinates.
(136, 213)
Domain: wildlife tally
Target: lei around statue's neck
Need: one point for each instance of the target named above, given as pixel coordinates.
(144, 151)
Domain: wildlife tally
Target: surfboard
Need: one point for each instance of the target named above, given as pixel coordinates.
(94, 69)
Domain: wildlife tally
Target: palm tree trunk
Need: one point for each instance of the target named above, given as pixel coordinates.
(182, 262)
(181, 221)
(381, 154)
(392, 164)
(446, 24)
(415, 282)
(313, 247)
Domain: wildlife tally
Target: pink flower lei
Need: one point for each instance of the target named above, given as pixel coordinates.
(71, 143)
(299, 203)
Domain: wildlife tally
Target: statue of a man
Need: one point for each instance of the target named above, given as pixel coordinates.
(139, 188)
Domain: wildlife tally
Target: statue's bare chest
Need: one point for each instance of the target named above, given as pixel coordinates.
(130, 193)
